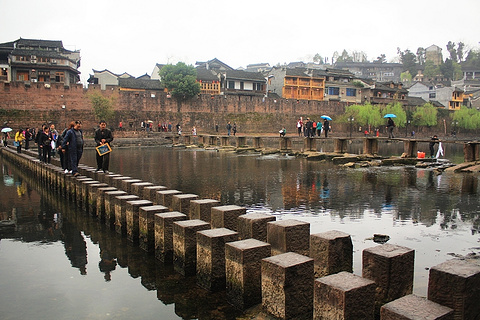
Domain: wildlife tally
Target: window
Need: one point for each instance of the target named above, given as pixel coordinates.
(231, 84)
(242, 85)
(388, 74)
(432, 95)
(351, 92)
(59, 77)
(22, 76)
(333, 91)
(257, 86)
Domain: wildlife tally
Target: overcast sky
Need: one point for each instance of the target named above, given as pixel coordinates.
(132, 36)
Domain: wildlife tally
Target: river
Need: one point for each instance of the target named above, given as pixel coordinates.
(62, 264)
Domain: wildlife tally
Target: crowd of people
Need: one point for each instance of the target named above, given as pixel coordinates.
(312, 128)
(68, 144)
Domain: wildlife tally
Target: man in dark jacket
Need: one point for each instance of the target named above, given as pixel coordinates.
(74, 140)
(103, 136)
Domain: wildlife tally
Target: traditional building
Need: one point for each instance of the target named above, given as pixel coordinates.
(46, 61)
(382, 72)
(297, 83)
(434, 54)
(106, 78)
(449, 97)
(340, 86)
(384, 93)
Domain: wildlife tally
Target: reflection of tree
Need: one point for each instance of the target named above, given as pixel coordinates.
(75, 246)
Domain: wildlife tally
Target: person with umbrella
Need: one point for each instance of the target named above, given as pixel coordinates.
(326, 124)
(390, 126)
(6, 135)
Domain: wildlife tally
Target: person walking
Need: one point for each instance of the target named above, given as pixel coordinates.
(54, 137)
(74, 139)
(229, 128)
(234, 128)
(326, 127)
(45, 143)
(390, 126)
(319, 128)
(28, 137)
(103, 136)
(299, 126)
(63, 156)
(432, 144)
(19, 137)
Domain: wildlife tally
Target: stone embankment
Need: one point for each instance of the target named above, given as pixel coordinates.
(277, 266)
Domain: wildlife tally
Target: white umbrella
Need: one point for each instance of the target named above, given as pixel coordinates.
(6, 129)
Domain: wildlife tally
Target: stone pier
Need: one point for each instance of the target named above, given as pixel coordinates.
(289, 236)
(287, 286)
(109, 205)
(146, 221)
(164, 197)
(412, 307)
(137, 188)
(226, 216)
(181, 202)
(164, 234)
(120, 212)
(132, 218)
(202, 209)
(254, 225)
(150, 193)
(243, 271)
(332, 252)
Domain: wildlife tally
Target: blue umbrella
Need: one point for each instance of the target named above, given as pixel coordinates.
(326, 117)
(390, 115)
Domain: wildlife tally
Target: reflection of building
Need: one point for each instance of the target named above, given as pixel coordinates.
(45, 61)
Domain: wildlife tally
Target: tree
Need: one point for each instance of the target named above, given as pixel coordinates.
(451, 70)
(345, 57)
(381, 59)
(425, 115)
(359, 56)
(472, 59)
(467, 118)
(408, 60)
(451, 49)
(431, 70)
(421, 56)
(180, 80)
(364, 115)
(397, 109)
(460, 52)
(318, 58)
(405, 76)
(102, 106)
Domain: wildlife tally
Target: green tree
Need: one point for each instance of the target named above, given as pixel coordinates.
(397, 109)
(408, 60)
(425, 115)
(467, 118)
(345, 57)
(318, 58)
(364, 115)
(102, 106)
(180, 80)
(431, 70)
(381, 58)
(406, 76)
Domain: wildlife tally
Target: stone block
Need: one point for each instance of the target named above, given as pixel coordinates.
(132, 213)
(110, 205)
(202, 209)
(254, 225)
(181, 202)
(164, 234)
(164, 197)
(243, 271)
(127, 185)
(332, 252)
(287, 286)
(211, 257)
(226, 216)
(289, 236)
(117, 181)
(147, 226)
(412, 307)
(137, 188)
(391, 267)
(150, 193)
(456, 284)
(344, 296)
(121, 213)
(92, 197)
(185, 245)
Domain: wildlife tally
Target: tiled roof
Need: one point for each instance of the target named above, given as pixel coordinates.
(415, 101)
(38, 53)
(244, 75)
(145, 84)
(206, 75)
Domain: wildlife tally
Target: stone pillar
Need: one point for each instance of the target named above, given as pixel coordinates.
(287, 286)
(456, 284)
(101, 201)
(257, 142)
(410, 148)
(120, 212)
(254, 225)
(340, 145)
(150, 193)
(117, 182)
(92, 197)
(243, 271)
(164, 197)
(164, 234)
(127, 184)
(412, 307)
(187, 140)
(212, 140)
(85, 193)
(79, 190)
(137, 188)
(370, 146)
(309, 144)
(185, 245)
(289, 236)
(332, 252)
(470, 151)
(202, 209)
(391, 267)
(241, 142)
(108, 178)
(226, 216)
(285, 144)
(181, 202)
(132, 218)
(146, 220)
(211, 257)
(225, 141)
(344, 296)
(110, 198)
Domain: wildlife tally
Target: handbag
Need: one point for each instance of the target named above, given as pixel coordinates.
(16, 144)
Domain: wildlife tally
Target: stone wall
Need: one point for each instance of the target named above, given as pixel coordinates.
(24, 105)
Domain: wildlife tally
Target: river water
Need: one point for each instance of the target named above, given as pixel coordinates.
(62, 264)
